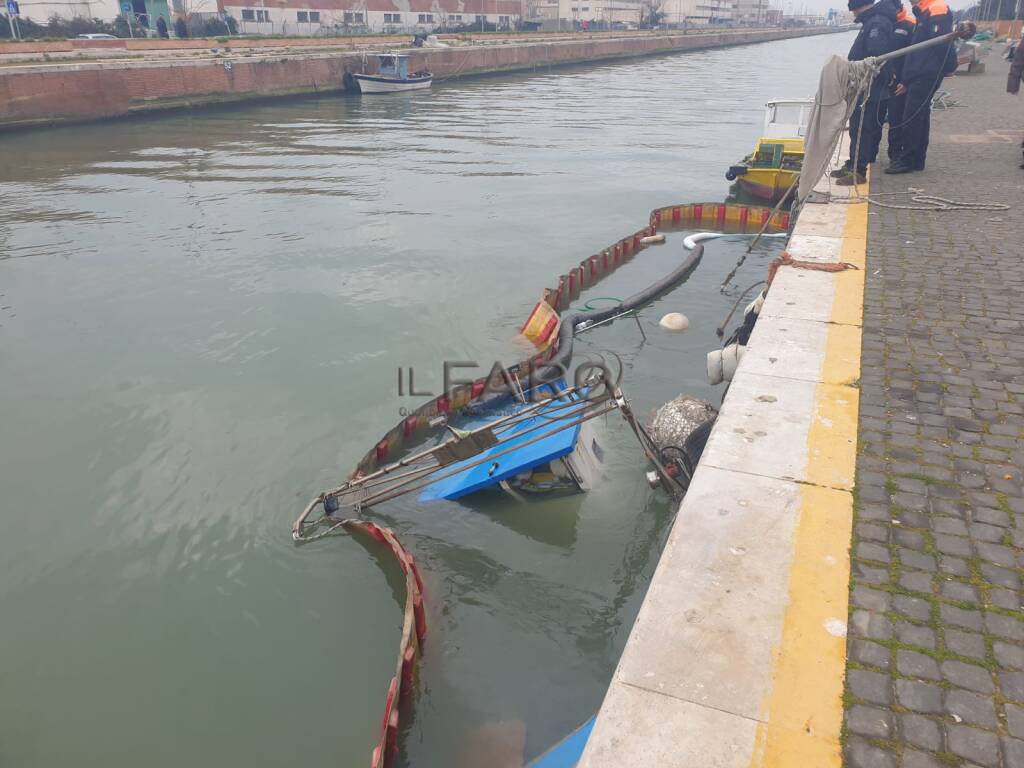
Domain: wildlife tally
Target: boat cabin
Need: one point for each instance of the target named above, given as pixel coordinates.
(787, 118)
(394, 65)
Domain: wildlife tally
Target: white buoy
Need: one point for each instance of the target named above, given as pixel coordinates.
(652, 240)
(674, 321)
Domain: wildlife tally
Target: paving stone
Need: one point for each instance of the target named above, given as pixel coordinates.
(953, 545)
(916, 581)
(867, 550)
(971, 708)
(957, 590)
(1014, 720)
(916, 560)
(920, 697)
(873, 687)
(914, 607)
(871, 626)
(914, 759)
(982, 747)
(1004, 598)
(872, 532)
(1004, 626)
(1012, 685)
(918, 665)
(869, 721)
(1013, 753)
(1008, 654)
(949, 526)
(914, 634)
(968, 676)
(870, 599)
(869, 573)
(862, 754)
(907, 538)
(872, 654)
(996, 553)
(964, 643)
(954, 566)
(921, 731)
(960, 617)
(1004, 577)
(985, 532)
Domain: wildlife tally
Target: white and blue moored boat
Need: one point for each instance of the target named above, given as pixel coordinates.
(393, 76)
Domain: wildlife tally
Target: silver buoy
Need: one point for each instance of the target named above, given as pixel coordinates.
(675, 321)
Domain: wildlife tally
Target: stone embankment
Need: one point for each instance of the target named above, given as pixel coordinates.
(75, 81)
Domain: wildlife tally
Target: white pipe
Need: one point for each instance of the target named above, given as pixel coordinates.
(690, 241)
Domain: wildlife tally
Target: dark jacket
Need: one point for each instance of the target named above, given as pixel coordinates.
(1016, 70)
(903, 33)
(933, 20)
(875, 38)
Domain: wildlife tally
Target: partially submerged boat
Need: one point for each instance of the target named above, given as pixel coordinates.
(770, 171)
(393, 75)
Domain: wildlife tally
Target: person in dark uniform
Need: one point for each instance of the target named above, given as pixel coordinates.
(902, 35)
(877, 21)
(922, 73)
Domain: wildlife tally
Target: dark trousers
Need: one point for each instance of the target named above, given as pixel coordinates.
(864, 140)
(895, 106)
(917, 121)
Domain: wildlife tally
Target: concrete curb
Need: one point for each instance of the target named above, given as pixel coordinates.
(738, 655)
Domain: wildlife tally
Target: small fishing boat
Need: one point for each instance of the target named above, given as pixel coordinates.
(393, 75)
(770, 171)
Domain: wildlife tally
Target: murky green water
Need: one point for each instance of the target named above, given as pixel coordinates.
(200, 321)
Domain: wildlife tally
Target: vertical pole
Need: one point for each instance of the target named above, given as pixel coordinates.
(10, 20)
(131, 32)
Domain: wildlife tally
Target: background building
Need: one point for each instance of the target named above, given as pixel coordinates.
(311, 17)
(698, 12)
(40, 11)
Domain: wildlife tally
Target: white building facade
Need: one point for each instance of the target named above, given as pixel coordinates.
(40, 11)
(313, 17)
(698, 12)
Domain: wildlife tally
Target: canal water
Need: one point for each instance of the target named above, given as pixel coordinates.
(201, 318)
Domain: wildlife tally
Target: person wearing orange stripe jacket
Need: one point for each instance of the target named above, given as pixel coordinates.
(922, 72)
(902, 35)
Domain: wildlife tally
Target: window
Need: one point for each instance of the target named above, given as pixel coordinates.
(481, 19)
(248, 15)
(392, 18)
(426, 18)
(456, 17)
(504, 19)
(301, 16)
(262, 15)
(314, 16)
(353, 17)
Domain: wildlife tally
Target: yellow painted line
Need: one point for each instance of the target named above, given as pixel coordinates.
(803, 714)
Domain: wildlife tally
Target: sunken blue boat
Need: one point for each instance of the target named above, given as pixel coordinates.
(543, 450)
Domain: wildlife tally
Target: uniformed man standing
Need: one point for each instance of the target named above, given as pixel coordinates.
(877, 21)
(902, 35)
(922, 72)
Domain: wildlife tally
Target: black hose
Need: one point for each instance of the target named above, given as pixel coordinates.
(558, 365)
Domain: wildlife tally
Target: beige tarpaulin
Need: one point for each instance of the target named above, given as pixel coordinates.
(841, 81)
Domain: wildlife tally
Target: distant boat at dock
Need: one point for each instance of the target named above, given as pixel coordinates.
(769, 172)
(393, 76)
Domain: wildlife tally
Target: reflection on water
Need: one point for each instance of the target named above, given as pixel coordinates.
(201, 316)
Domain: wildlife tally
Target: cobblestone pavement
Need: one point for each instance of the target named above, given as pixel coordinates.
(935, 674)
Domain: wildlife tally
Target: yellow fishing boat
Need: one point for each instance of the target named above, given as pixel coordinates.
(770, 171)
